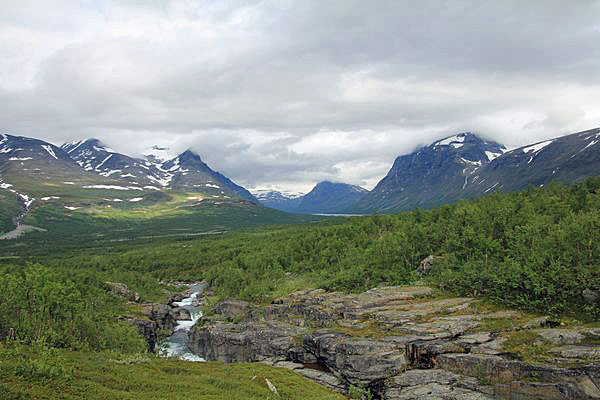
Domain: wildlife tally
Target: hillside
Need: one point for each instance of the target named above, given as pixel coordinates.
(88, 191)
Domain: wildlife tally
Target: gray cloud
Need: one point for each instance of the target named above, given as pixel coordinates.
(286, 93)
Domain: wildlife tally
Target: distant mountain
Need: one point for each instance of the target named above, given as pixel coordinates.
(190, 173)
(330, 197)
(279, 200)
(36, 162)
(432, 175)
(466, 166)
(185, 172)
(158, 154)
(85, 187)
(564, 159)
(324, 198)
(93, 155)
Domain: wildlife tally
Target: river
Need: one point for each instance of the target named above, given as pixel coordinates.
(176, 345)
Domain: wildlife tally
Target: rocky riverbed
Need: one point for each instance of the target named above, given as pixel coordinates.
(407, 343)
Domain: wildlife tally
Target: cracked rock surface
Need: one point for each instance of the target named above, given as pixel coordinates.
(405, 343)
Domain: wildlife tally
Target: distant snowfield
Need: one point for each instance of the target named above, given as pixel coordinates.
(113, 187)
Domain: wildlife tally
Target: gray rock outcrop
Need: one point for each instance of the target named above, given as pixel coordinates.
(400, 343)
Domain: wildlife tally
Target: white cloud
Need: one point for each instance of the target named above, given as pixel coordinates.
(288, 93)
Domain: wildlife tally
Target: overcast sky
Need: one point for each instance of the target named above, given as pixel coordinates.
(287, 93)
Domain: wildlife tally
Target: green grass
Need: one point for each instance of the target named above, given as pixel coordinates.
(9, 208)
(528, 346)
(108, 376)
(106, 224)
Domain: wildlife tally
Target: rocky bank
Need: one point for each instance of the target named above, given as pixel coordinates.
(153, 320)
(407, 343)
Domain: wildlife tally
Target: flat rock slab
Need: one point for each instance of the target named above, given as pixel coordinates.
(579, 352)
(561, 336)
(400, 344)
(435, 384)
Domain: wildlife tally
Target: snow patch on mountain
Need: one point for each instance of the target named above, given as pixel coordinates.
(537, 147)
(455, 141)
(114, 187)
(158, 154)
(491, 155)
(49, 150)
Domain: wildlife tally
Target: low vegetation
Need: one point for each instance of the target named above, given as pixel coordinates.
(53, 374)
(536, 250)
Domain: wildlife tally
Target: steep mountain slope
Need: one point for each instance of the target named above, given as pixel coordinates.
(87, 190)
(432, 175)
(92, 155)
(190, 173)
(35, 159)
(186, 172)
(565, 159)
(284, 201)
(33, 167)
(465, 166)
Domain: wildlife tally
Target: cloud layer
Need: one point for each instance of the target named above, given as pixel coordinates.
(283, 94)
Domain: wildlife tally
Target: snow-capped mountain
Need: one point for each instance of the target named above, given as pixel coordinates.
(29, 165)
(564, 159)
(92, 155)
(431, 175)
(279, 200)
(466, 166)
(33, 160)
(158, 154)
(188, 172)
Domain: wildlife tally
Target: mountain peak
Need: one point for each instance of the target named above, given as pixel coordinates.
(189, 155)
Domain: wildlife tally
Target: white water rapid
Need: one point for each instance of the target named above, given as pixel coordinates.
(176, 345)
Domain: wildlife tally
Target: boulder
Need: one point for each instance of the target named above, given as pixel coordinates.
(232, 308)
(244, 342)
(323, 378)
(121, 290)
(359, 361)
(518, 380)
(159, 313)
(181, 314)
(561, 336)
(148, 329)
(435, 384)
(426, 266)
(577, 352)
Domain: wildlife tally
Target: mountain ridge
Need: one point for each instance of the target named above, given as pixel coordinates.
(445, 172)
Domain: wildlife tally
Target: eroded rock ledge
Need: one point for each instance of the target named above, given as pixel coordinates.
(403, 343)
